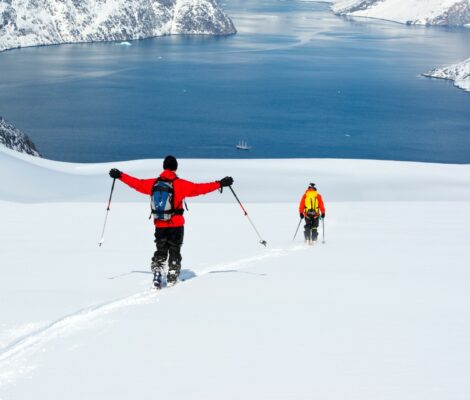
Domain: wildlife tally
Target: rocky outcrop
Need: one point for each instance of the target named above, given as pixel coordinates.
(459, 73)
(15, 139)
(457, 15)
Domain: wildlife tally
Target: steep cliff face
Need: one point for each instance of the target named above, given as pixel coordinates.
(15, 139)
(412, 12)
(40, 22)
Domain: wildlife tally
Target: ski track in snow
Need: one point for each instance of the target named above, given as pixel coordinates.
(14, 356)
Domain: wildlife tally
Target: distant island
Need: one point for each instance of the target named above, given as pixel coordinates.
(25, 23)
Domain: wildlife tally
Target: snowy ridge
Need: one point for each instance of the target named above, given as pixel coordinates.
(14, 139)
(412, 12)
(459, 73)
(30, 22)
(344, 180)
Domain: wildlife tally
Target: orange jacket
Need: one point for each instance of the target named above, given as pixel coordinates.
(320, 204)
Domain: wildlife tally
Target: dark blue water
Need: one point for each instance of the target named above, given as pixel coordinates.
(296, 81)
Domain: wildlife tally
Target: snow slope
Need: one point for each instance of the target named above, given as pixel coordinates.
(421, 12)
(379, 311)
(459, 73)
(30, 22)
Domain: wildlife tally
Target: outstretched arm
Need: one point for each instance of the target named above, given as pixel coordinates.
(141, 185)
(191, 189)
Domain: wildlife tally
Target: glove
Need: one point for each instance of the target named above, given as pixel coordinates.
(227, 181)
(301, 215)
(115, 173)
(323, 216)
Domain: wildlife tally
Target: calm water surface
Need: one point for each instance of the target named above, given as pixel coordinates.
(296, 81)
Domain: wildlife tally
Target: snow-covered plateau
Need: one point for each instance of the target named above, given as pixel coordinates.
(378, 311)
(459, 73)
(419, 12)
(26, 23)
(14, 139)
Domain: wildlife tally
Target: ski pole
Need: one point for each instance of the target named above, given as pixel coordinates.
(323, 229)
(107, 212)
(298, 226)
(263, 242)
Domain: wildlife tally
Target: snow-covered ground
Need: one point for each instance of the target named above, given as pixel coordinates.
(420, 12)
(459, 73)
(378, 311)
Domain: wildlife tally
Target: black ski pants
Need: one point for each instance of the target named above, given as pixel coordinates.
(169, 242)
(311, 228)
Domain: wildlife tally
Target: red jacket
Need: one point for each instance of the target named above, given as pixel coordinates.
(181, 187)
(320, 204)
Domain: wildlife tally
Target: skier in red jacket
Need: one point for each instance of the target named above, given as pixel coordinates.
(169, 229)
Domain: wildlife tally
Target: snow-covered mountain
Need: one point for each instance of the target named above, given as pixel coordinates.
(459, 73)
(14, 139)
(420, 12)
(41, 22)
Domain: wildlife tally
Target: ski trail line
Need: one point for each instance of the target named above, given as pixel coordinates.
(28, 344)
(274, 253)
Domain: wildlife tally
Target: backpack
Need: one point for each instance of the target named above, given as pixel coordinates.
(162, 200)
(311, 204)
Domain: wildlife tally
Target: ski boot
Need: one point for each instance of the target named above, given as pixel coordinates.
(314, 236)
(157, 266)
(171, 278)
(173, 273)
(157, 279)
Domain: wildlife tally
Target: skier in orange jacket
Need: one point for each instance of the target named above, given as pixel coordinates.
(311, 208)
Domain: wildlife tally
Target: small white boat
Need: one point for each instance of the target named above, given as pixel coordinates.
(242, 145)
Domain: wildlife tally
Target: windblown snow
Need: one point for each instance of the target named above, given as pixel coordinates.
(378, 311)
(30, 22)
(420, 12)
(459, 73)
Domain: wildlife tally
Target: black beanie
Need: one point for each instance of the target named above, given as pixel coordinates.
(170, 163)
